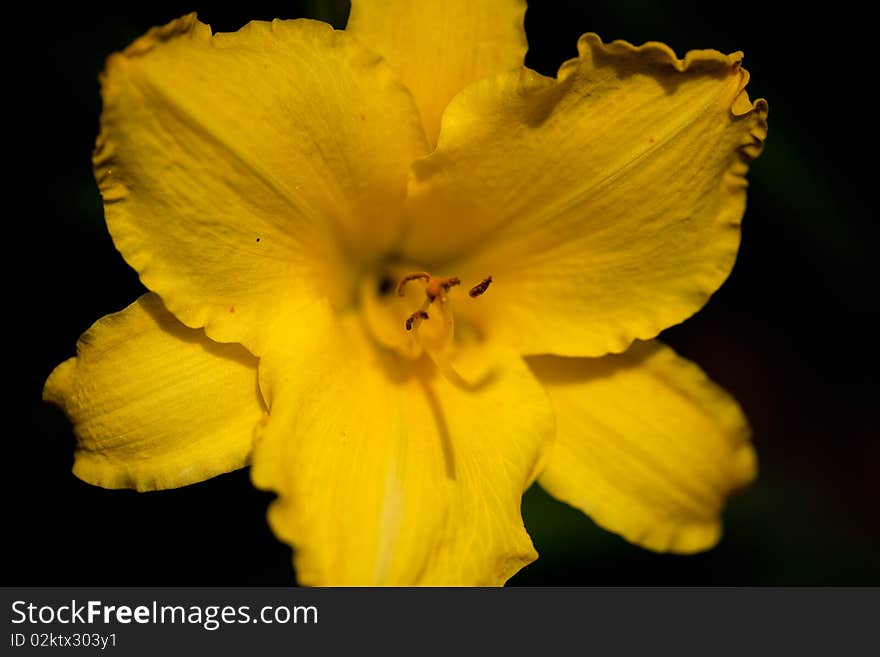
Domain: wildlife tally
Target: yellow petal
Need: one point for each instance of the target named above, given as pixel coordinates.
(438, 48)
(605, 205)
(155, 404)
(646, 445)
(386, 473)
(239, 171)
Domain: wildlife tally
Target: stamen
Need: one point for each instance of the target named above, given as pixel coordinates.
(480, 287)
(417, 315)
(411, 277)
(437, 286)
(435, 289)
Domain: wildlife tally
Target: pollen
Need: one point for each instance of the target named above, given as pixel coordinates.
(414, 276)
(436, 289)
(417, 316)
(435, 286)
(478, 289)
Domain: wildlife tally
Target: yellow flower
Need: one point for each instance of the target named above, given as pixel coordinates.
(404, 277)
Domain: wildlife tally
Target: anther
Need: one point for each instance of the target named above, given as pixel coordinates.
(411, 277)
(437, 286)
(435, 290)
(417, 315)
(480, 287)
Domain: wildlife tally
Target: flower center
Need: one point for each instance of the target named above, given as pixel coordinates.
(435, 291)
(398, 317)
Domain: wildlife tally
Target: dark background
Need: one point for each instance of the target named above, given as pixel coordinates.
(791, 333)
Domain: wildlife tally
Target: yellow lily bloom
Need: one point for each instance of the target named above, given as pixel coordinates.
(404, 277)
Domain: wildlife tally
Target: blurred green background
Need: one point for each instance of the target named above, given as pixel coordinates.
(789, 334)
